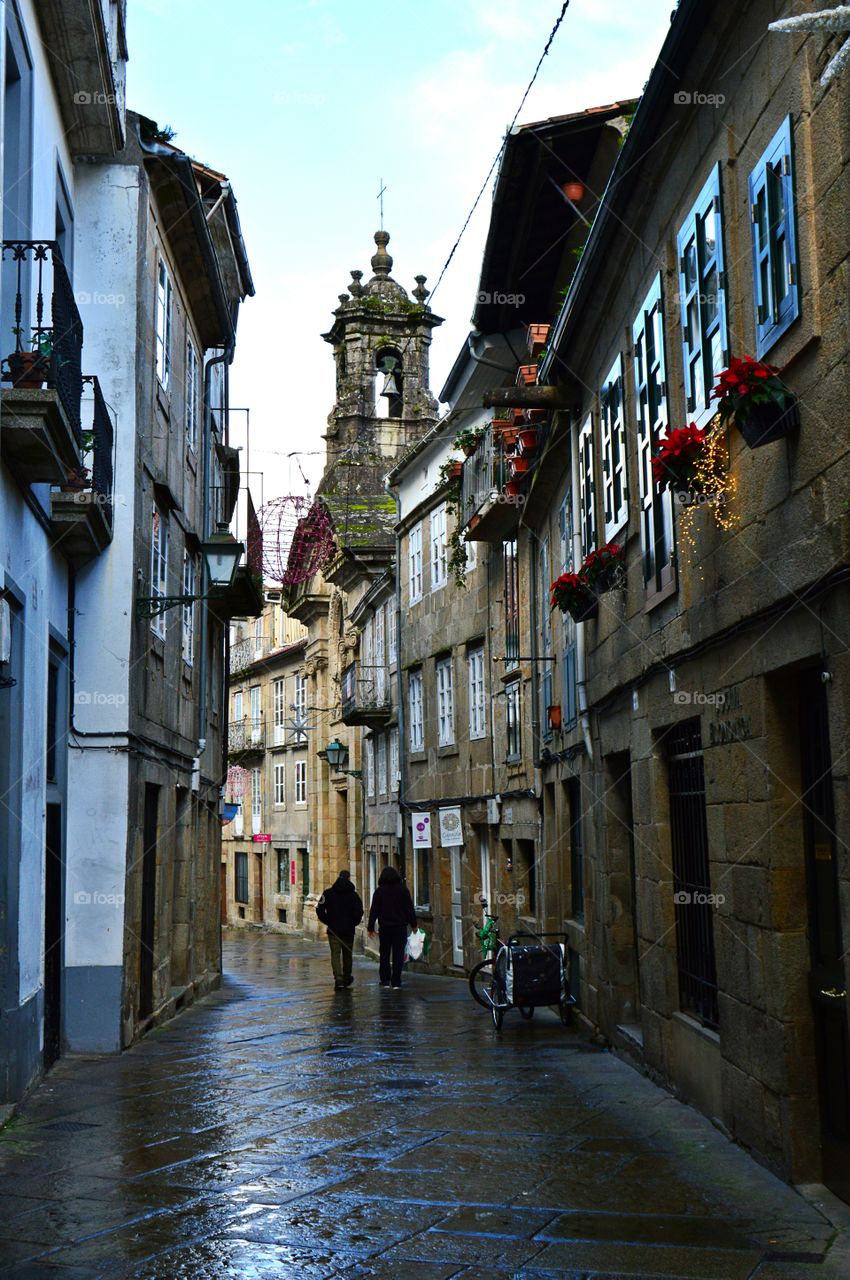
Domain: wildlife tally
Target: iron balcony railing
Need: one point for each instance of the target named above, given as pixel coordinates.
(98, 449)
(365, 693)
(247, 734)
(49, 350)
(484, 475)
(247, 650)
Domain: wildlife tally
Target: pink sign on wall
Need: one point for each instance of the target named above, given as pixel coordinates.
(264, 837)
(292, 872)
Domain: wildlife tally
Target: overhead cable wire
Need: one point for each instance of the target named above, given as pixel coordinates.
(499, 153)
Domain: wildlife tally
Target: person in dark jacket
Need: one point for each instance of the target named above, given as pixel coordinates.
(392, 910)
(341, 911)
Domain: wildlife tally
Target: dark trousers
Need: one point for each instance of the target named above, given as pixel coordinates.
(391, 943)
(342, 946)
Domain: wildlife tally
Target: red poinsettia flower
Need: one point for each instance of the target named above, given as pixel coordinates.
(567, 589)
(681, 445)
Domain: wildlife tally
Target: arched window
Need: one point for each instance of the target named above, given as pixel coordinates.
(388, 383)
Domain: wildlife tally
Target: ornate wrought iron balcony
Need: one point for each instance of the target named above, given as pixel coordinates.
(246, 736)
(48, 352)
(365, 695)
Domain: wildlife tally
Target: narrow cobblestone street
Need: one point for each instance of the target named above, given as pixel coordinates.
(281, 1129)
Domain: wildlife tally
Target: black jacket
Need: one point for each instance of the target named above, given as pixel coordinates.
(340, 908)
(392, 905)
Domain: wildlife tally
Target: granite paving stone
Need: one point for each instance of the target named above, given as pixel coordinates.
(278, 1128)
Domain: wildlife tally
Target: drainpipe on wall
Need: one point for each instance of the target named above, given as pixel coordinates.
(581, 660)
(399, 682)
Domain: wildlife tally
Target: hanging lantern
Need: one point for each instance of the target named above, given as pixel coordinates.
(573, 191)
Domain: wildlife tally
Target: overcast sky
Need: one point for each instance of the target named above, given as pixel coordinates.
(307, 104)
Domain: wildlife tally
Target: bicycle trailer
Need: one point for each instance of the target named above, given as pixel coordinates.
(533, 974)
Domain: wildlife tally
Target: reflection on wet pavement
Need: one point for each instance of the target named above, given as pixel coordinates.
(282, 1129)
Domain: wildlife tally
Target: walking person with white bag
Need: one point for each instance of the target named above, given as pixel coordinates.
(392, 911)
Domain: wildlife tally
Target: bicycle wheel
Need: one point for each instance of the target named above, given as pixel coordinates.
(480, 981)
(497, 1005)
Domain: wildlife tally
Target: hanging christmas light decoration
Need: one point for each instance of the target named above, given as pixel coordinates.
(694, 464)
(297, 538)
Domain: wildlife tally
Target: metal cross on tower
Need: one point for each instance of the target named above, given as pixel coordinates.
(381, 200)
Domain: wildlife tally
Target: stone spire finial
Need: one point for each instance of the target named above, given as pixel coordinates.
(420, 293)
(382, 263)
(355, 288)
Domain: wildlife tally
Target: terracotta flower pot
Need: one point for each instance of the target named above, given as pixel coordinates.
(509, 438)
(517, 417)
(500, 424)
(526, 375)
(765, 423)
(455, 471)
(528, 439)
(537, 335)
(28, 369)
(535, 415)
(512, 489)
(519, 466)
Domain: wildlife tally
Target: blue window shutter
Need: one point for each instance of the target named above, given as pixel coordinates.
(773, 316)
(570, 711)
(721, 262)
(761, 252)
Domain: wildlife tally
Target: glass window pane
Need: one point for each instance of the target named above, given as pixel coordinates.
(692, 337)
(690, 264)
(709, 298)
(698, 383)
(781, 281)
(716, 353)
(709, 232)
(777, 194)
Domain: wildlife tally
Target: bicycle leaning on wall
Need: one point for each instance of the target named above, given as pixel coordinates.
(523, 972)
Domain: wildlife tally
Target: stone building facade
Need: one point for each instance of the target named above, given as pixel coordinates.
(468, 674)
(265, 851)
(693, 789)
(123, 273)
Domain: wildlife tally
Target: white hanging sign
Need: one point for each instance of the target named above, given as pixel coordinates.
(451, 827)
(421, 830)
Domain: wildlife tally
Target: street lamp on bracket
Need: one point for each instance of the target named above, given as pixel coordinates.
(336, 754)
(222, 553)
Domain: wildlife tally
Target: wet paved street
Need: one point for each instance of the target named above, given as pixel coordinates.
(282, 1129)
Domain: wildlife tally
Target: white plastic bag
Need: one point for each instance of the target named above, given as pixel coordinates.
(415, 945)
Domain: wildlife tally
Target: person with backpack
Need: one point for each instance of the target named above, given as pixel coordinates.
(392, 910)
(341, 910)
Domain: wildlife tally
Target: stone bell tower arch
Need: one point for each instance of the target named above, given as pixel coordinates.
(381, 338)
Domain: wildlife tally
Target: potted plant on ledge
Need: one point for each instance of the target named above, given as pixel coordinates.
(469, 439)
(676, 464)
(28, 369)
(604, 568)
(752, 393)
(572, 594)
(450, 472)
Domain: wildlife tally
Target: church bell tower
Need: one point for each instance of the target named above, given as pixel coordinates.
(381, 339)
